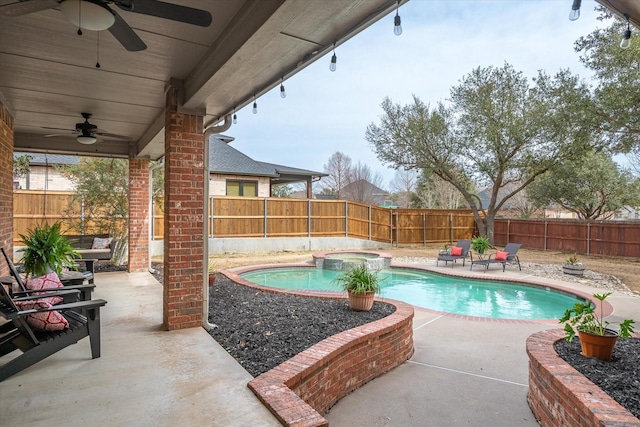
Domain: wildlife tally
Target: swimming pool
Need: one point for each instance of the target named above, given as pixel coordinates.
(469, 297)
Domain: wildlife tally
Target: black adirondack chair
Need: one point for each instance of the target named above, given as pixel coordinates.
(85, 290)
(34, 345)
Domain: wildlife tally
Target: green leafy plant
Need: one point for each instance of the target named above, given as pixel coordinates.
(359, 280)
(480, 244)
(46, 249)
(582, 317)
(573, 260)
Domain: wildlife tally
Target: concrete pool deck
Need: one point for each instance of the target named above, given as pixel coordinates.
(463, 372)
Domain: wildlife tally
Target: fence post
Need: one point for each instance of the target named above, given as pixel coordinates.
(508, 230)
(370, 222)
(451, 228)
(424, 229)
(589, 239)
(309, 218)
(546, 224)
(397, 227)
(391, 227)
(346, 218)
(211, 216)
(265, 217)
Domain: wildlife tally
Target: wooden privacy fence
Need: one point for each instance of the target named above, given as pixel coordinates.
(276, 217)
(612, 238)
(37, 207)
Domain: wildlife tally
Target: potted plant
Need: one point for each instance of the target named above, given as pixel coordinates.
(361, 284)
(480, 244)
(573, 266)
(445, 249)
(47, 249)
(596, 339)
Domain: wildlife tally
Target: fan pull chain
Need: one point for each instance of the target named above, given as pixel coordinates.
(98, 54)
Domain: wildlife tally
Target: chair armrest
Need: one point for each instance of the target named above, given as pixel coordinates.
(28, 297)
(96, 303)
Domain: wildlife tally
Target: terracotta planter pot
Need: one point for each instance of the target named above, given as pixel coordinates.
(574, 270)
(361, 302)
(598, 346)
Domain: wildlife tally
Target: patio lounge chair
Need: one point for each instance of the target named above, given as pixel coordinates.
(509, 255)
(85, 290)
(83, 320)
(465, 245)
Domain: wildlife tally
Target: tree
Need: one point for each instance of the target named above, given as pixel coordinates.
(594, 187)
(403, 186)
(361, 184)
(498, 131)
(616, 109)
(102, 189)
(282, 191)
(339, 169)
(435, 193)
(21, 165)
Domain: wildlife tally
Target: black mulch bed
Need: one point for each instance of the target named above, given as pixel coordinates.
(619, 378)
(263, 329)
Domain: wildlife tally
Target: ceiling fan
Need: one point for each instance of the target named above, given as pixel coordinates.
(86, 132)
(96, 15)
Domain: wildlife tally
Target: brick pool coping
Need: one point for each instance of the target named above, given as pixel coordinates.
(560, 395)
(302, 389)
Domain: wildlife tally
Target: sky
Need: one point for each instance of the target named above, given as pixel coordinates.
(442, 41)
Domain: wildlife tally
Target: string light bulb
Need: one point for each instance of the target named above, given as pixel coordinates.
(283, 94)
(334, 59)
(575, 10)
(397, 27)
(626, 39)
(255, 105)
(235, 117)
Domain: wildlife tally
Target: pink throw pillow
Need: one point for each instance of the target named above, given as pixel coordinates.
(48, 282)
(501, 256)
(45, 321)
(456, 251)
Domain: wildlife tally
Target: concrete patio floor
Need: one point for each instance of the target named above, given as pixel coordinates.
(464, 372)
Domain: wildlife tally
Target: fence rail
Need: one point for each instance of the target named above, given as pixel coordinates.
(276, 217)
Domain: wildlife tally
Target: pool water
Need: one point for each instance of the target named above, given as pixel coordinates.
(469, 297)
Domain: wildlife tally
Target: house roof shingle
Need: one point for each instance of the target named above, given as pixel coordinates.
(224, 159)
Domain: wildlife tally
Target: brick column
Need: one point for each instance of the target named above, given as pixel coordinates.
(6, 184)
(183, 217)
(138, 214)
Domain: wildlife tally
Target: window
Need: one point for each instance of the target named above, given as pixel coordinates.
(242, 188)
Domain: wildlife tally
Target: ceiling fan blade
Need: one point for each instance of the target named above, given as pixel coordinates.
(24, 7)
(113, 135)
(61, 134)
(125, 35)
(164, 10)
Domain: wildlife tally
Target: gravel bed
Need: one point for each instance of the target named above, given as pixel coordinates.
(619, 378)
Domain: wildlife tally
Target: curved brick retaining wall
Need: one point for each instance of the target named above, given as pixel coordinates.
(560, 395)
(299, 391)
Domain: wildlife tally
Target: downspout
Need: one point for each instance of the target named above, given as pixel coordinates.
(205, 282)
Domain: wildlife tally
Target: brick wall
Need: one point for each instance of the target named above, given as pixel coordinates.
(138, 215)
(302, 389)
(560, 395)
(6, 183)
(183, 217)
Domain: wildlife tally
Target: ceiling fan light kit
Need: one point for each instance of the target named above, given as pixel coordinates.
(88, 15)
(86, 139)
